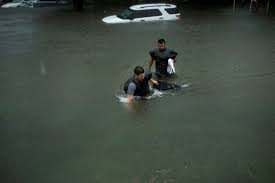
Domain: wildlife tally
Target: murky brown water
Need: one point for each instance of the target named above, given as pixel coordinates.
(61, 122)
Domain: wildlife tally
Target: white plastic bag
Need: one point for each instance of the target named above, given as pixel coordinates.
(171, 68)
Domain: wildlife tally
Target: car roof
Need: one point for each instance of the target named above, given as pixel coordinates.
(152, 6)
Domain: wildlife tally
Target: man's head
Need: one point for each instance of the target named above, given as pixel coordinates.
(161, 44)
(139, 73)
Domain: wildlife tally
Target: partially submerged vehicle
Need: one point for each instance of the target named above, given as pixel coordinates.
(33, 3)
(144, 13)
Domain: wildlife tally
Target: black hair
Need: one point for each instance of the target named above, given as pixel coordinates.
(138, 70)
(161, 41)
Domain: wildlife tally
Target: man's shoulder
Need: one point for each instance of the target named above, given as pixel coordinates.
(171, 51)
(132, 84)
(148, 75)
(153, 50)
(131, 88)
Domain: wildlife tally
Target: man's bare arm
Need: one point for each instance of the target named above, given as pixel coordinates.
(151, 63)
(130, 99)
(154, 82)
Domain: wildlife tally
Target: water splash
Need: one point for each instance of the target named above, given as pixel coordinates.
(122, 97)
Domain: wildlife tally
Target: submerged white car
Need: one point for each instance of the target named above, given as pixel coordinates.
(144, 13)
(33, 3)
(13, 4)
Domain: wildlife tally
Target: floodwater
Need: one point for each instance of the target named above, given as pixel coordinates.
(60, 119)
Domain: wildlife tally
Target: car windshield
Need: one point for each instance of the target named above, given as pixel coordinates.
(125, 14)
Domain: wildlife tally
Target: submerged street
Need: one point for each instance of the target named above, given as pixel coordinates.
(60, 120)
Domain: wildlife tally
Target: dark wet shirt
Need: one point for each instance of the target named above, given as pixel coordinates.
(161, 59)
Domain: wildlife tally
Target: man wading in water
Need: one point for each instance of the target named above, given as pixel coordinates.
(138, 85)
(160, 56)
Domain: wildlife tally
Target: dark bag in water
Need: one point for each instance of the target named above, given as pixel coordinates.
(162, 85)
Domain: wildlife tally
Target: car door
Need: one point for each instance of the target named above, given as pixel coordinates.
(138, 16)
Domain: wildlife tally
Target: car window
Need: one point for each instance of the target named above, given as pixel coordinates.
(126, 14)
(152, 13)
(145, 13)
(172, 10)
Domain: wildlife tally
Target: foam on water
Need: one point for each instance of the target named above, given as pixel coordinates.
(122, 97)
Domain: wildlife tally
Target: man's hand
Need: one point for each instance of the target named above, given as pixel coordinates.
(154, 82)
(130, 99)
